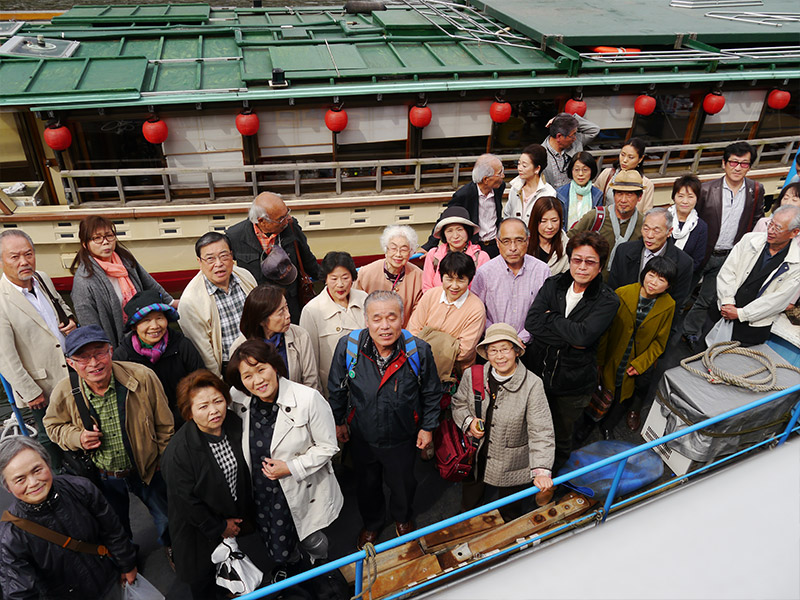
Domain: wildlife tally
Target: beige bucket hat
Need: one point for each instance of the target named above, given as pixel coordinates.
(500, 332)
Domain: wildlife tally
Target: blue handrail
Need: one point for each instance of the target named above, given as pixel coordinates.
(621, 458)
(10, 395)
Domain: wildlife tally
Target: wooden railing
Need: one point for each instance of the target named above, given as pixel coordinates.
(372, 176)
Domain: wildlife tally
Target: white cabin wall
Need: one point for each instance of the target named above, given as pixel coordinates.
(293, 131)
(367, 124)
(611, 112)
(740, 107)
(458, 119)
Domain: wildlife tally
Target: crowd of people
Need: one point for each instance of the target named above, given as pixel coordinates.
(222, 410)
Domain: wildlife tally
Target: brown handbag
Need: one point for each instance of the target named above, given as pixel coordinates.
(54, 537)
(306, 284)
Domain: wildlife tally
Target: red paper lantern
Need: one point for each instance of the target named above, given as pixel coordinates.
(644, 105)
(247, 123)
(155, 131)
(713, 103)
(575, 107)
(58, 137)
(336, 120)
(420, 116)
(778, 99)
(500, 112)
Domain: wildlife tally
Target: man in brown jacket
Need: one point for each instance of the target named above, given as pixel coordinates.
(132, 424)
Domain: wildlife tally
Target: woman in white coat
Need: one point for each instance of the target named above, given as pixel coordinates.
(527, 187)
(288, 440)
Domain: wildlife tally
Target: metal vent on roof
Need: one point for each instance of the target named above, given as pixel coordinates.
(9, 28)
(39, 47)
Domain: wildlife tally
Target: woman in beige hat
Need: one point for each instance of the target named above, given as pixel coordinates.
(455, 230)
(514, 416)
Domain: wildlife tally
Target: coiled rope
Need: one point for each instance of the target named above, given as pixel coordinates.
(713, 374)
(371, 564)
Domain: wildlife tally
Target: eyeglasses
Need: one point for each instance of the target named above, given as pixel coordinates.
(109, 237)
(284, 219)
(772, 226)
(221, 257)
(398, 250)
(739, 163)
(589, 262)
(513, 241)
(492, 352)
(98, 356)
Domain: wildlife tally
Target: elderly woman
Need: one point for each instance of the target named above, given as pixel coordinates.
(208, 481)
(521, 433)
(394, 273)
(70, 507)
(457, 230)
(288, 440)
(689, 231)
(580, 195)
(631, 157)
(151, 343)
(548, 240)
(450, 318)
(527, 187)
(336, 311)
(107, 276)
(634, 342)
(566, 320)
(266, 317)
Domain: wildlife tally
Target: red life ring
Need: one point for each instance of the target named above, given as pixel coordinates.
(613, 50)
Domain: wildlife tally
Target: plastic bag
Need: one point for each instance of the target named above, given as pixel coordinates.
(721, 332)
(140, 589)
(235, 571)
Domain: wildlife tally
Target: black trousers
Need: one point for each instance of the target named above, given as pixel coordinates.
(375, 466)
(566, 411)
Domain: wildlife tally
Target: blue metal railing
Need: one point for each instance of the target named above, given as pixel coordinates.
(10, 395)
(621, 459)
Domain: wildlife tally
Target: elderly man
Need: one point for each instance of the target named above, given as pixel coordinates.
(382, 381)
(619, 222)
(33, 322)
(631, 257)
(568, 135)
(131, 423)
(483, 199)
(730, 206)
(508, 284)
(270, 223)
(759, 278)
(211, 305)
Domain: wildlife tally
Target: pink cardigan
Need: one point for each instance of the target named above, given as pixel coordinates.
(430, 273)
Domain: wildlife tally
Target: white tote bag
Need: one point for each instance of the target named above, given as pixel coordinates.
(140, 589)
(721, 332)
(235, 571)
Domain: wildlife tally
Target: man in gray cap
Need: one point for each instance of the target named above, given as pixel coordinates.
(131, 423)
(269, 225)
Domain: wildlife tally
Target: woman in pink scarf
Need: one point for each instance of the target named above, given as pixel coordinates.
(106, 277)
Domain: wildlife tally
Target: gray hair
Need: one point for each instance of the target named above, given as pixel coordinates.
(663, 211)
(520, 221)
(256, 212)
(483, 167)
(11, 446)
(393, 231)
(7, 233)
(795, 222)
(563, 123)
(383, 296)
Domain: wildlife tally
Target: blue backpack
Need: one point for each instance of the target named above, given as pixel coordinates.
(412, 356)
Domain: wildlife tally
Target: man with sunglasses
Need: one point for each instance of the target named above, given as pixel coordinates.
(270, 224)
(132, 424)
(730, 206)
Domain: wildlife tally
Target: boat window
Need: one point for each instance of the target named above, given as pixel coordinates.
(776, 123)
(527, 125)
(668, 122)
(736, 119)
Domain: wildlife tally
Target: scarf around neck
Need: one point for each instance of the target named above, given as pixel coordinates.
(619, 239)
(578, 208)
(153, 353)
(116, 269)
(681, 234)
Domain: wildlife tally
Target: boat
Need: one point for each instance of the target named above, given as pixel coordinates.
(169, 118)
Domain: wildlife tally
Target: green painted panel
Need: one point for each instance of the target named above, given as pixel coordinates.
(416, 55)
(316, 58)
(176, 76)
(294, 33)
(71, 76)
(257, 64)
(452, 55)
(57, 76)
(142, 47)
(16, 75)
(253, 20)
(125, 13)
(96, 50)
(221, 75)
(220, 46)
(114, 74)
(184, 47)
(397, 20)
(379, 56)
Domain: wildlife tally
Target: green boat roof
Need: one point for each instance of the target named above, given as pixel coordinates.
(131, 55)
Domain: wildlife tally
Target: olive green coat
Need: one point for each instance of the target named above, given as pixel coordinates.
(648, 345)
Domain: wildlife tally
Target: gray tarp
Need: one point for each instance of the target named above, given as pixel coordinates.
(695, 399)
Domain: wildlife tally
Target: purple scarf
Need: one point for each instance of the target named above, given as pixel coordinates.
(154, 353)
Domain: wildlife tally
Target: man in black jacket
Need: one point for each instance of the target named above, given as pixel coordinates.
(566, 320)
(271, 222)
(483, 199)
(387, 390)
(631, 257)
